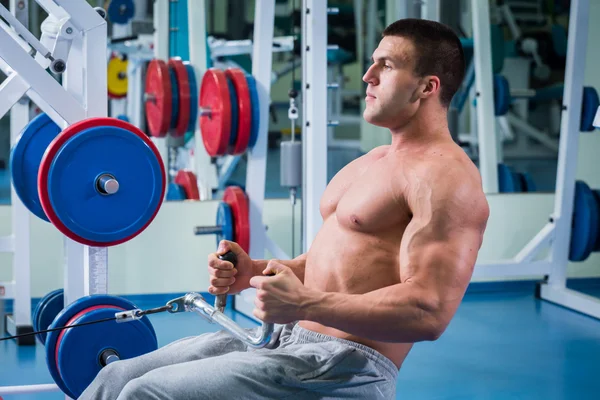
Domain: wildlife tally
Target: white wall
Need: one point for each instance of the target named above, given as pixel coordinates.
(168, 258)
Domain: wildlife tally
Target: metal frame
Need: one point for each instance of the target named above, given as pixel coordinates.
(486, 123)
(314, 111)
(19, 289)
(81, 40)
(556, 234)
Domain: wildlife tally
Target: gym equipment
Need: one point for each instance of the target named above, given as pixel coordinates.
(510, 181)
(196, 303)
(75, 356)
(527, 182)
(120, 11)
(506, 179)
(170, 97)
(25, 158)
(100, 181)
(585, 223)
(240, 96)
(193, 96)
(45, 312)
(215, 122)
(232, 219)
(175, 192)
(116, 81)
(180, 87)
(158, 98)
(503, 96)
(188, 182)
(229, 111)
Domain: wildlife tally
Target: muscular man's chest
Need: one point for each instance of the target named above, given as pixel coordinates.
(368, 198)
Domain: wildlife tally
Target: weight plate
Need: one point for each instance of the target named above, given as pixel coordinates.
(158, 98)
(25, 158)
(69, 312)
(175, 192)
(174, 99)
(225, 220)
(68, 182)
(123, 117)
(120, 11)
(35, 316)
(597, 198)
(193, 96)
(584, 225)
(238, 202)
(506, 181)
(78, 351)
(215, 127)
(244, 106)
(255, 110)
(183, 94)
(187, 180)
(48, 310)
(233, 99)
(116, 82)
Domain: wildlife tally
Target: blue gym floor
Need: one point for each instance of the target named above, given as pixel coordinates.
(500, 345)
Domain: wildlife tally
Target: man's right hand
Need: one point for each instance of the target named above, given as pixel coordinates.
(224, 277)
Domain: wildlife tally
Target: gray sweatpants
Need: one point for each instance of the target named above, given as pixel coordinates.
(297, 364)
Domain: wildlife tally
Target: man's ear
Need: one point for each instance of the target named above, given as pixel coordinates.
(430, 86)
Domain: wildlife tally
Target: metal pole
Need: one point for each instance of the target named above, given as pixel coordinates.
(314, 110)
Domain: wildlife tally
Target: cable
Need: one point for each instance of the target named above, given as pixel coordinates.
(122, 316)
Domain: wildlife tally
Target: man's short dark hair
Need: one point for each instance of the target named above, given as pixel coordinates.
(438, 52)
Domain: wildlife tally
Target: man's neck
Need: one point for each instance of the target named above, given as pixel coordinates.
(422, 129)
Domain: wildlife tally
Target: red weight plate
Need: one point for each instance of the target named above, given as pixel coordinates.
(183, 83)
(187, 179)
(244, 128)
(235, 197)
(55, 147)
(215, 126)
(158, 98)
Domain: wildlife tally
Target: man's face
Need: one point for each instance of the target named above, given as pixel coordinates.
(392, 86)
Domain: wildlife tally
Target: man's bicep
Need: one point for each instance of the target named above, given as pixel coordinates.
(439, 250)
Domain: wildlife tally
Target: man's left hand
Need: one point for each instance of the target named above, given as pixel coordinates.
(282, 298)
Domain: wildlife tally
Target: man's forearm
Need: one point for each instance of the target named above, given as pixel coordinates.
(392, 314)
(297, 265)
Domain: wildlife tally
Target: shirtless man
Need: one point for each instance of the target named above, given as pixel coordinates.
(402, 227)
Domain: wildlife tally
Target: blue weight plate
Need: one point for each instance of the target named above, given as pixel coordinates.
(528, 183)
(36, 311)
(25, 159)
(79, 350)
(589, 106)
(255, 110)
(120, 11)
(48, 311)
(506, 181)
(69, 312)
(77, 203)
(123, 117)
(233, 98)
(175, 96)
(175, 192)
(193, 97)
(597, 198)
(225, 220)
(519, 187)
(584, 226)
(501, 95)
